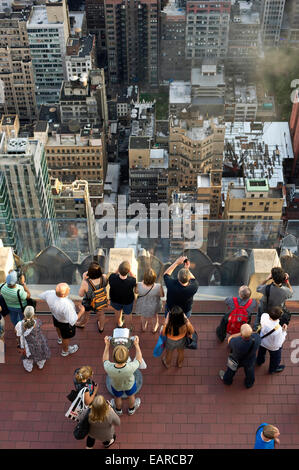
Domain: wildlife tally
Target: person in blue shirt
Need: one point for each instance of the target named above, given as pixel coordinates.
(267, 437)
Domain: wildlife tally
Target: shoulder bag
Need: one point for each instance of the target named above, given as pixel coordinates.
(82, 428)
(77, 407)
(140, 296)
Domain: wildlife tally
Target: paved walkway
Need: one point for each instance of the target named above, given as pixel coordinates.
(181, 408)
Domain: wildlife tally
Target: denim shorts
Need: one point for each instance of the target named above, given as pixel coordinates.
(127, 309)
(119, 394)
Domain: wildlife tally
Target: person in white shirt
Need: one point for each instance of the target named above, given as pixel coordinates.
(64, 316)
(273, 336)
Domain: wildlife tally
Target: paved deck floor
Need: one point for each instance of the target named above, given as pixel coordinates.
(181, 408)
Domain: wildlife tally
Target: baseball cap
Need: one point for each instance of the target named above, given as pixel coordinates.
(11, 278)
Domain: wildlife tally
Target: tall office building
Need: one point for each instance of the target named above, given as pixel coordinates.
(196, 148)
(290, 25)
(132, 34)
(173, 64)
(17, 86)
(207, 29)
(271, 21)
(95, 20)
(48, 31)
(77, 154)
(28, 198)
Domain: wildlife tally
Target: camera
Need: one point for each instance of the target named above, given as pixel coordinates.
(186, 260)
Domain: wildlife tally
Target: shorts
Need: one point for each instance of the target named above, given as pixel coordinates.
(127, 309)
(67, 331)
(120, 393)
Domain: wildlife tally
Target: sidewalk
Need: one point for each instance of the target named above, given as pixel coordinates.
(180, 408)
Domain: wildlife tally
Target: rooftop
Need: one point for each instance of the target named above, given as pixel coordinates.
(259, 147)
(85, 43)
(139, 142)
(179, 92)
(211, 416)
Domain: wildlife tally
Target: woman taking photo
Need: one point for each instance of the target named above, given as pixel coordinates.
(33, 343)
(92, 279)
(102, 419)
(149, 303)
(176, 328)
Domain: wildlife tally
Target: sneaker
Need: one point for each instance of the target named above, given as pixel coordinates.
(71, 350)
(279, 369)
(118, 412)
(221, 374)
(59, 341)
(137, 404)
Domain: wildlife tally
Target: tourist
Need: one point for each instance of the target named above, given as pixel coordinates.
(93, 280)
(33, 343)
(273, 336)
(237, 305)
(122, 285)
(121, 374)
(83, 379)
(15, 296)
(149, 303)
(177, 326)
(64, 316)
(243, 347)
(279, 291)
(180, 291)
(267, 437)
(102, 419)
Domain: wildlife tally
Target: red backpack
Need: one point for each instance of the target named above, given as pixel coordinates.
(237, 317)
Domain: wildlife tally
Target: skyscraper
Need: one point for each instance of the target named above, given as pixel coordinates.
(17, 86)
(132, 29)
(27, 197)
(272, 14)
(207, 29)
(48, 31)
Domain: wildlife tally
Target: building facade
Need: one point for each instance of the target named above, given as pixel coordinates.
(271, 21)
(48, 31)
(80, 56)
(132, 36)
(207, 30)
(17, 83)
(24, 168)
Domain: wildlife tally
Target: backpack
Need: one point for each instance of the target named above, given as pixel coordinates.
(77, 407)
(99, 297)
(237, 317)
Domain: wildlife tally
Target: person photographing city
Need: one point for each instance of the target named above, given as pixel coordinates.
(180, 291)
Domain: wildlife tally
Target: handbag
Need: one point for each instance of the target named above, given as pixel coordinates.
(160, 346)
(191, 343)
(82, 428)
(77, 407)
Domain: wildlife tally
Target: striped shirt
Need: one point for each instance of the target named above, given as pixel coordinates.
(10, 295)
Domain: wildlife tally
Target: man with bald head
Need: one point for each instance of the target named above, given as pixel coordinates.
(244, 301)
(243, 347)
(64, 316)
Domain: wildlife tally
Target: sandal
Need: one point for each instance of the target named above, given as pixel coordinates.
(99, 330)
(164, 363)
(155, 329)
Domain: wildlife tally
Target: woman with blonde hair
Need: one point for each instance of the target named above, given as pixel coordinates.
(33, 343)
(149, 303)
(102, 419)
(83, 379)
